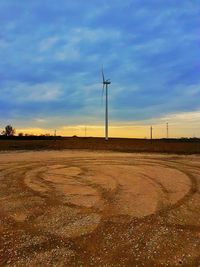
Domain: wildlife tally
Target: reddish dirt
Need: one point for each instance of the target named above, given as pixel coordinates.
(81, 208)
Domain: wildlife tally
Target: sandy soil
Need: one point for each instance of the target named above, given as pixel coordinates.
(78, 208)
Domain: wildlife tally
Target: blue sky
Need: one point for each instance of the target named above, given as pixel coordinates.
(52, 52)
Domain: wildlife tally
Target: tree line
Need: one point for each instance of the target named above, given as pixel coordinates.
(10, 131)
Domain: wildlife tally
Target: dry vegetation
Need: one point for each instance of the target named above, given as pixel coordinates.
(73, 208)
(181, 146)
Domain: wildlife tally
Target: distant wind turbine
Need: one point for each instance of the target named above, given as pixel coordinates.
(167, 127)
(105, 84)
(151, 133)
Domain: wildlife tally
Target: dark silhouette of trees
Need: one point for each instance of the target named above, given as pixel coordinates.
(9, 131)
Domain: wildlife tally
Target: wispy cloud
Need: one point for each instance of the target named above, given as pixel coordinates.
(23, 92)
(47, 43)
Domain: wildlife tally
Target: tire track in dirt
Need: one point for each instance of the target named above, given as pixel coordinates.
(97, 234)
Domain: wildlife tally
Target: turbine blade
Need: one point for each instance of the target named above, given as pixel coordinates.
(103, 75)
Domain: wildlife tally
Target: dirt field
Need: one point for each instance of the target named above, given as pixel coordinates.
(78, 208)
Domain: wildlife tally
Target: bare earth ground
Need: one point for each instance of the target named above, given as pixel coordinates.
(78, 208)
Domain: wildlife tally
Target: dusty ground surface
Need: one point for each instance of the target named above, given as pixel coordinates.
(77, 208)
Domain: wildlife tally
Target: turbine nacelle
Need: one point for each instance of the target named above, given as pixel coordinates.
(107, 82)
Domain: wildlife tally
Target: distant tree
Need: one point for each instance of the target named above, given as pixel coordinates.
(20, 134)
(9, 131)
(45, 135)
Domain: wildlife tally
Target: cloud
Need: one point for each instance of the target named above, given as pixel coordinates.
(183, 117)
(40, 120)
(24, 92)
(72, 44)
(47, 43)
(51, 57)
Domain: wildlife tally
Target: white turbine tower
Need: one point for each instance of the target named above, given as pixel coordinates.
(105, 84)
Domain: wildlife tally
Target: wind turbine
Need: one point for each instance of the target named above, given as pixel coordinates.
(167, 125)
(106, 82)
